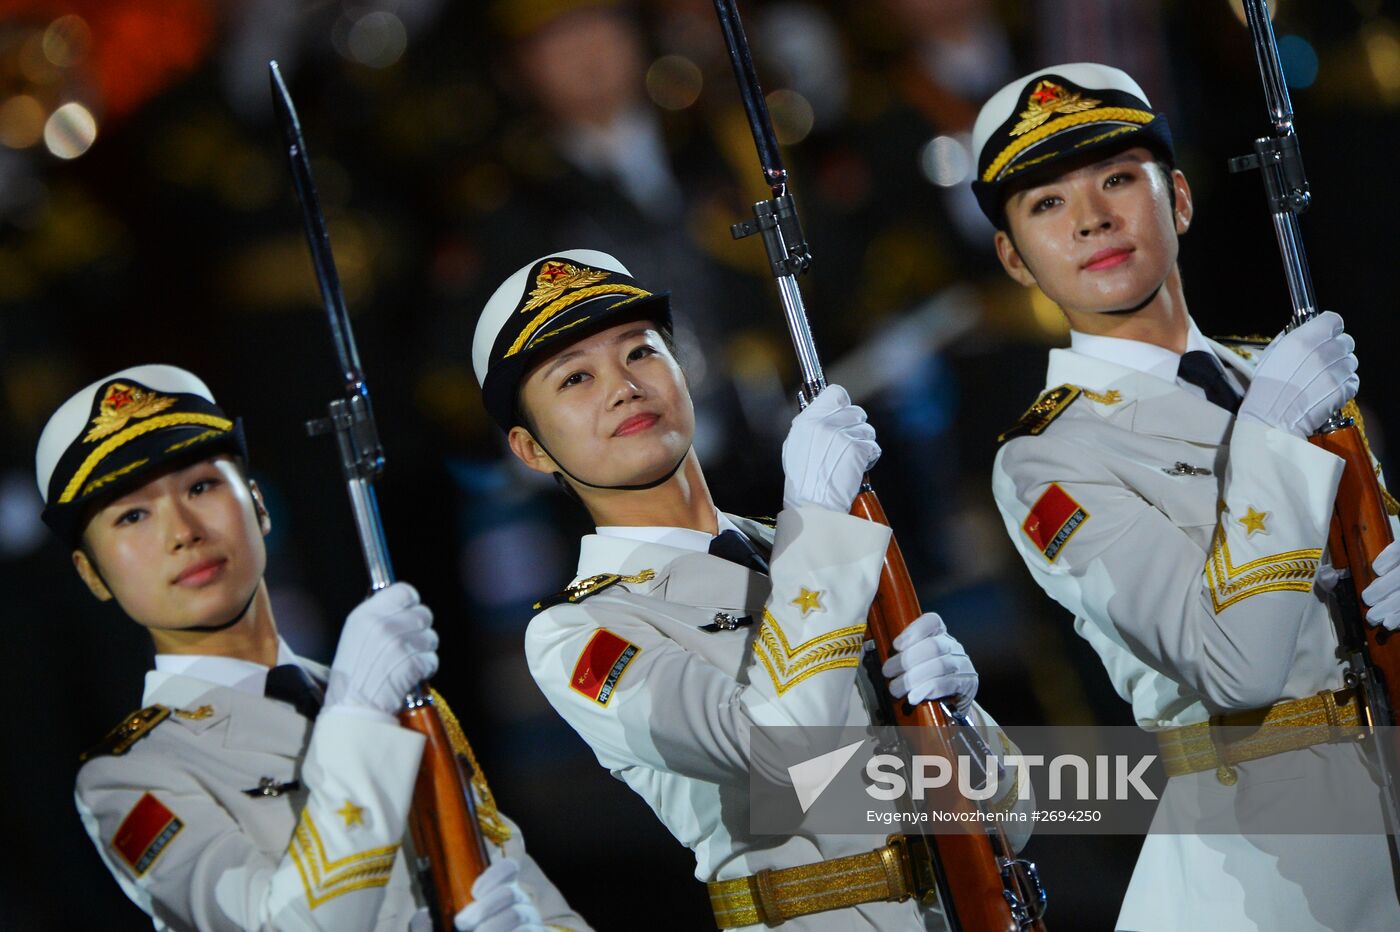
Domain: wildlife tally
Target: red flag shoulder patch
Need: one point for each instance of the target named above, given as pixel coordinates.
(145, 832)
(1054, 518)
(601, 665)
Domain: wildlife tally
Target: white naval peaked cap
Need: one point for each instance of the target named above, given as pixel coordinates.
(117, 430)
(1009, 99)
(549, 303)
(509, 296)
(1057, 113)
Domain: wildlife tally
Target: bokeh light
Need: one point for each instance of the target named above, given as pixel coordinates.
(1299, 61)
(21, 121)
(377, 39)
(1381, 40)
(70, 131)
(792, 116)
(34, 65)
(67, 40)
(674, 82)
(946, 160)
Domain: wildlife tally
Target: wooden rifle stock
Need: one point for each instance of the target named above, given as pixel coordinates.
(443, 819)
(976, 865)
(1360, 531)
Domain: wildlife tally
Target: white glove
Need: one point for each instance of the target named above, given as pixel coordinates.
(1303, 377)
(929, 663)
(1326, 580)
(499, 903)
(827, 452)
(1383, 595)
(387, 648)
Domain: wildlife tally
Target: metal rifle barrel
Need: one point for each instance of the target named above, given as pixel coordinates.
(450, 851)
(754, 105)
(1282, 166)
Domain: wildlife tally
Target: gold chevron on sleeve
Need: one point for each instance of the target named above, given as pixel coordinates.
(787, 666)
(324, 879)
(1292, 571)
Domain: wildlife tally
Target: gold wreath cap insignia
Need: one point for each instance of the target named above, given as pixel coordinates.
(557, 277)
(1047, 100)
(122, 403)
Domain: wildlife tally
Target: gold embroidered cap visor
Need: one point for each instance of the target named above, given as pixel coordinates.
(550, 303)
(1033, 126)
(127, 432)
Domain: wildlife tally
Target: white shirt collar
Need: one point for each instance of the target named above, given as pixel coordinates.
(1147, 357)
(231, 672)
(682, 538)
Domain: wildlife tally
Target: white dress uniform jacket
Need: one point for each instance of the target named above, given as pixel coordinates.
(667, 707)
(1185, 543)
(175, 822)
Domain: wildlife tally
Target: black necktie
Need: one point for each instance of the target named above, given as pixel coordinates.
(294, 686)
(736, 548)
(1201, 369)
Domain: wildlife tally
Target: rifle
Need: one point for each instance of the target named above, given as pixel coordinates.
(983, 886)
(1360, 521)
(450, 850)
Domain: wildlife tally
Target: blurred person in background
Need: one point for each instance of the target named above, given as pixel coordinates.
(257, 789)
(1163, 491)
(672, 642)
(594, 158)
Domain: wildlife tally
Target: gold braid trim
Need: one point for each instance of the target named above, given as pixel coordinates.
(114, 475)
(112, 443)
(1097, 115)
(1352, 410)
(1293, 571)
(197, 438)
(487, 815)
(323, 879)
(787, 666)
(1110, 397)
(555, 307)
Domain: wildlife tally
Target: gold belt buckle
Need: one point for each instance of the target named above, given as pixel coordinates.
(916, 866)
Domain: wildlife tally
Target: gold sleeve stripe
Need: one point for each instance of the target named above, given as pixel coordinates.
(324, 879)
(117, 440)
(787, 666)
(555, 307)
(1097, 115)
(1292, 571)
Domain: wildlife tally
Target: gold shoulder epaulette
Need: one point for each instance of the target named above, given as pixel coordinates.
(577, 592)
(1038, 416)
(132, 729)
(1237, 344)
(766, 521)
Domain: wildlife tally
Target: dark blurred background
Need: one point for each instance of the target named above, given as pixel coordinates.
(146, 216)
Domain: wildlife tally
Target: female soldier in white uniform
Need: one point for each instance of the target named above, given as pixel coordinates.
(257, 789)
(1162, 490)
(687, 627)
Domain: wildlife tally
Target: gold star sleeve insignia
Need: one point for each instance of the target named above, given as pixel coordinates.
(808, 601)
(1254, 521)
(351, 813)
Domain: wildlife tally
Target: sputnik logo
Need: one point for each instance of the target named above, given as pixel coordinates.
(811, 777)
